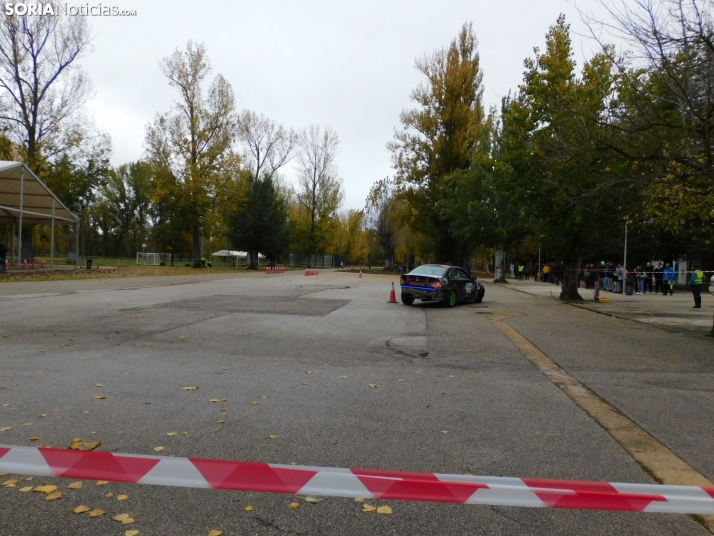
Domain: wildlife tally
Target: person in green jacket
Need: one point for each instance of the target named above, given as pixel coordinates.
(696, 280)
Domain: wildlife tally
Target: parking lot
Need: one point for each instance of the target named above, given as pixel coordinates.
(343, 379)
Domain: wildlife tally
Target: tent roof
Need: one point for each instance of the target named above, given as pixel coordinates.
(37, 198)
(229, 253)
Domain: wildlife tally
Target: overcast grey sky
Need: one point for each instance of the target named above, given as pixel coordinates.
(349, 65)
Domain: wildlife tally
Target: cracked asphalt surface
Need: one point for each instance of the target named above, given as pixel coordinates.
(291, 339)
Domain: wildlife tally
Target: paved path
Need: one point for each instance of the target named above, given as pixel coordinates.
(313, 346)
(669, 312)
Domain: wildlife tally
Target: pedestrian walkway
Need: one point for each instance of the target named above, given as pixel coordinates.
(669, 312)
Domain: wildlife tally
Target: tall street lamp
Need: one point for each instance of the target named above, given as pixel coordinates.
(540, 269)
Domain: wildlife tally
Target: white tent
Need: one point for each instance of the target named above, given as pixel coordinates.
(226, 253)
(25, 199)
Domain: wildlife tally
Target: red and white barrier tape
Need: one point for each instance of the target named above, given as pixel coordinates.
(304, 480)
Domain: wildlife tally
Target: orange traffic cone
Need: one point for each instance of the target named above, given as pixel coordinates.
(360, 275)
(43, 264)
(24, 264)
(392, 295)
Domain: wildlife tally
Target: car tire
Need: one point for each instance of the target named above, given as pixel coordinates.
(450, 299)
(479, 295)
(407, 299)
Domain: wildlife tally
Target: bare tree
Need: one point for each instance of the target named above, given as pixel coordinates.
(319, 192)
(268, 146)
(43, 89)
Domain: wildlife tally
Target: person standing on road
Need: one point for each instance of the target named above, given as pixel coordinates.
(559, 272)
(696, 280)
(668, 279)
(620, 274)
(641, 276)
(3, 256)
(649, 272)
(658, 275)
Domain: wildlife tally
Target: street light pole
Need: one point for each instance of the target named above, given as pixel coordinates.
(624, 264)
(540, 269)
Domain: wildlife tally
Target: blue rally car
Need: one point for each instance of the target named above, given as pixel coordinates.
(441, 283)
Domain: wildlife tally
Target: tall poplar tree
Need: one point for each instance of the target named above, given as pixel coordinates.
(191, 146)
(439, 136)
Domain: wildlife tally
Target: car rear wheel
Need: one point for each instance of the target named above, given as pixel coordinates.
(450, 299)
(479, 295)
(407, 299)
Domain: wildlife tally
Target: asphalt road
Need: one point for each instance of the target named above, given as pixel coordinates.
(291, 339)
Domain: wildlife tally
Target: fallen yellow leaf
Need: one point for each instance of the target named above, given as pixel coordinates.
(248, 508)
(158, 449)
(311, 500)
(220, 421)
(99, 385)
(80, 444)
(215, 532)
(343, 377)
(96, 512)
(3, 474)
(109, 495)
(102, 482)
(122, 497)
(128, 521)
(294, 506)
(99, 397)
(184, 433)
(293, 463)
(359, 499)
(26, 424)
(34, 439)
(75, 485)
(45, 489)
(170, 434)
(384, 510)
(264, 397)
(273, 436)
(368, 508)
(43, 415)
(54, 496)
(400, 380)
(190, 388)
(254, 403)
(10, 483)
(223, 400)
(81, 509)
(444, 431)
(214, 400)
(131, 533)
(374, 385)
(5, 428)
(304, 383)
(25, 490)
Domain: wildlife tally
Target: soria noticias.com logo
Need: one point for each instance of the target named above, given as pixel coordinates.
(55, 8)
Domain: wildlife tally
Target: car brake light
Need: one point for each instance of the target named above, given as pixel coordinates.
(436, 284)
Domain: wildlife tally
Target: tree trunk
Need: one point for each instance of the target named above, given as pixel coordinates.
(569, 290)
(388, 260)
(197, 253)
(499, 265)
(252, 260)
